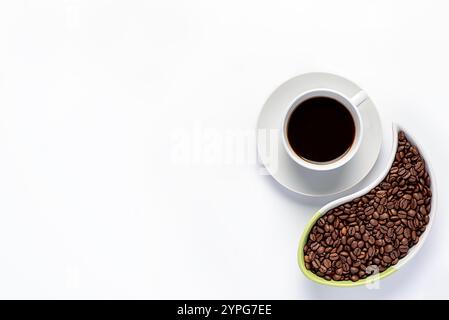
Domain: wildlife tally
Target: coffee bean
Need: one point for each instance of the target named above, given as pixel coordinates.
(354, 270)
(381, 193)
(404, 204)
(333, 256)
(407, 233)
(402, 214)
(351, 231)
(419, 166)
(376, 229)
(388, 248)
(354, 278)
(423, 210)
(394, 255)
(390, 233)
(336, 277)
(411, 213)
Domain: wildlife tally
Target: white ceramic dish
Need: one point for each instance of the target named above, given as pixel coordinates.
(336, 203)
(300, 179)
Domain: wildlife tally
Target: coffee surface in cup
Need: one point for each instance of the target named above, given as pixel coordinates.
(320, 130)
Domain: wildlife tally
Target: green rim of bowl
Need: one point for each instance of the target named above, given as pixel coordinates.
(310, 275)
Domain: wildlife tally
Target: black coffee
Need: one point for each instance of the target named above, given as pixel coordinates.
(320, 129)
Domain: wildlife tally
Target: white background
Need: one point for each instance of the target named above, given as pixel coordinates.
(92, 204)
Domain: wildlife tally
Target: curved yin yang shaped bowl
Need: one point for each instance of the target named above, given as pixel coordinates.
(413, 250)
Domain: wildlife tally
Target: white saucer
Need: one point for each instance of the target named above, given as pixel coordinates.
(298, 179)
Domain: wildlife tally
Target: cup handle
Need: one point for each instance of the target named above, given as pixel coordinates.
(359, 98)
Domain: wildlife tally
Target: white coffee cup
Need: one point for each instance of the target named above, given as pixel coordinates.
(351, 104)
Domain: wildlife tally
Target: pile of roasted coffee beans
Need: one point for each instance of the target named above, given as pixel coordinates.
(375, 231)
